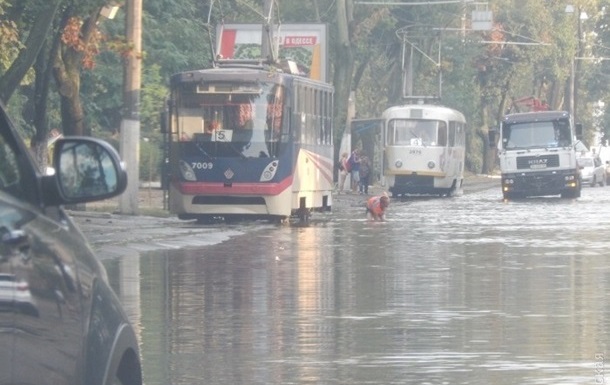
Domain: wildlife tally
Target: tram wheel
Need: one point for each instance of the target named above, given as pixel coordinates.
(304, 215)
(278, 219)
(205, 219)
(233, 218)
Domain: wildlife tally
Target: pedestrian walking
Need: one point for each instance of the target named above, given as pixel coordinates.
(354, 166)
(343, 171)
(365, 173)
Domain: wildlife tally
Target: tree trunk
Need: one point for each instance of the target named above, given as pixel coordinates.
(344, 66)
(67, 71)
(488, 149)
(41, 122)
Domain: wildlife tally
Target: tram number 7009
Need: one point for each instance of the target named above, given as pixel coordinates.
(202, 165)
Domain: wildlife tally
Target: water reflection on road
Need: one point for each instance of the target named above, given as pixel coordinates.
(468, 290)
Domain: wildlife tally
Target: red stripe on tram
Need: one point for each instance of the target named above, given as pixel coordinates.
(208, 188)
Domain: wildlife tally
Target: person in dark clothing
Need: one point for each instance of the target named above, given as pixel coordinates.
(365, 173)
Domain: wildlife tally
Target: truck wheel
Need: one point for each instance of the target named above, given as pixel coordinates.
(570, 194)
(512, 196)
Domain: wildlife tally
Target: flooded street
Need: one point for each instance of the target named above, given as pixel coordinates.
(465, 290)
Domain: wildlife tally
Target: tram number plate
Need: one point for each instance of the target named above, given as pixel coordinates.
(414, 152)
(202, 165)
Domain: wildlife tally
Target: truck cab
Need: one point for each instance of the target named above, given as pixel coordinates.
(537, 154)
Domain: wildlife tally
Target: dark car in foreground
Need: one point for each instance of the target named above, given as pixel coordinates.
(60, 322)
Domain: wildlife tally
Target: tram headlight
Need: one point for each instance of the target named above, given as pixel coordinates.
(269, 171)
(431, 164)
(398, 163)
(187, 172)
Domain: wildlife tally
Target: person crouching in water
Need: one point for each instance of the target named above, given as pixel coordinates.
(376, 207)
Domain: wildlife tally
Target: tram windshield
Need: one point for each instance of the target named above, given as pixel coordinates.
(231, 119)
(414, 132)
(536, 134)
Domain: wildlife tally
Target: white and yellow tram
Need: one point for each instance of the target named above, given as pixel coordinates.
(423, 150)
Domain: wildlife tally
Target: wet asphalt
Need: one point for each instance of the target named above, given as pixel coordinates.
(114, 235)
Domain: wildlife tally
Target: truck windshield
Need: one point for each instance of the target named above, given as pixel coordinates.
(536, 134)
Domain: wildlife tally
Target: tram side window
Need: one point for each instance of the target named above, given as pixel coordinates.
(318, 115)
(310, 117)
(460, 134)
(307, 114)
(442, 134)
(313, 132)
(325, 118)
(299, 108)
(274, 114)
(452, 130)
(329, 118)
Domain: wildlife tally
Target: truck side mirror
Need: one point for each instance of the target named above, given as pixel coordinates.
(579, 131)
(493, 137)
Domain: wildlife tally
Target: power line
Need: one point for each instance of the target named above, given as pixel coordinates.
(413, 3)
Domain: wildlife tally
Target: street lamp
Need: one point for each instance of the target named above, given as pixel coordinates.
(109, 10)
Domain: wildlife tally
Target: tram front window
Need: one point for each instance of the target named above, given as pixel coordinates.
(412, 132)
(247, 124)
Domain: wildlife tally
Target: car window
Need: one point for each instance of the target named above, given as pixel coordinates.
(18, 176)
(9, 169)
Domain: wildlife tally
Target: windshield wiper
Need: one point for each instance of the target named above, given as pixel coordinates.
(204, 152)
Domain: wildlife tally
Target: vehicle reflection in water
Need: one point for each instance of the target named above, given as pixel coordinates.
(465, 290)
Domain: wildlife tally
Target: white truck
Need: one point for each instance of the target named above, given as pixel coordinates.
(537, 153)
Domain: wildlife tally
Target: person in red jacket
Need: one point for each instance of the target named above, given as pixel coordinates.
(376, 206)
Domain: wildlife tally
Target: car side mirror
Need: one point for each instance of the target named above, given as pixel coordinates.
(86, 170)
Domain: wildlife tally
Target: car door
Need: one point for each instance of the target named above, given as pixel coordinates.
(60, 322)
(44, 317)
(41, 321)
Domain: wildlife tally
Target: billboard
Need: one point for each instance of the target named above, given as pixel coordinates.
(306, 44)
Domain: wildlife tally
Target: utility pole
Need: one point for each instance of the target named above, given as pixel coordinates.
(268, 33)
(130, 123)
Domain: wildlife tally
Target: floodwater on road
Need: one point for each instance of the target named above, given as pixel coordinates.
(464, 290)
